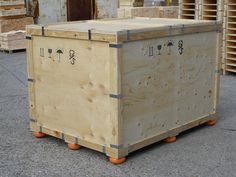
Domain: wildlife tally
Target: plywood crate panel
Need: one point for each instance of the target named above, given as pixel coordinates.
(119, 85)
(7, 25)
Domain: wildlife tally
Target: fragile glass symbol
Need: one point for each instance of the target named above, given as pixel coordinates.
(50, 53)
(159, 49)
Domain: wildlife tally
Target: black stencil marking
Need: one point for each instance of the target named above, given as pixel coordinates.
(49, 53)
(72, 57)
(170, 44)
(150, 51)
(59, 52)
(181, 48)
(159, 47)
(41, 52)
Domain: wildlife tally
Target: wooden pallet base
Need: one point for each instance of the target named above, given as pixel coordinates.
(117, 154)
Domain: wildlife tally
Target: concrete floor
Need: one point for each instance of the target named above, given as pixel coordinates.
(203, 151)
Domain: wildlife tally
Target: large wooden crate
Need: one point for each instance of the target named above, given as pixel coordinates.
(119, 85)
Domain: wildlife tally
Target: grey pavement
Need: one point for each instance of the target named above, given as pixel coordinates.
(203, 151)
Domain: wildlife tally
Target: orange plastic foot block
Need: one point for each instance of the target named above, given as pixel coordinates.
(211, 122)
(39, 134)
(170, 139)
(73, 146)
(117, 161)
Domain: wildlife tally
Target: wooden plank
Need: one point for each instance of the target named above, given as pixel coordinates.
(231, 70)
(10, 7)
(231, 64)
(12, 12)
(233, 47)
(230, 58)
(12, 2)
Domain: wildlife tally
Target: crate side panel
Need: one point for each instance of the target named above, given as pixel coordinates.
(166, 83)
(72, 88)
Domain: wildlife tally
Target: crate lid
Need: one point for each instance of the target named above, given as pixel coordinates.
(123, 30)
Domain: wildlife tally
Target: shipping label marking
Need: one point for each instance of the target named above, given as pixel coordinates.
(170, 44)
(150, 51)
(41, 52)
(59, 52)
(49, 53)
(181, 49)
(72, 57)
(159, 49)
(167, 47)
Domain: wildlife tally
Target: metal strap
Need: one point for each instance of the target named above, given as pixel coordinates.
(118, 46)
(119, 96)
(28, 37)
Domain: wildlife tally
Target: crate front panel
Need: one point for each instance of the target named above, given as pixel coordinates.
(166, 83)
(72, 88)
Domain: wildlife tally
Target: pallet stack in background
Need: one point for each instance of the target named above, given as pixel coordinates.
(230, 36)
(131, 3)
(211, 9)
(13, 40)
(201, 9)
(146, 8)
(151, 12)
(12, 19)
(221, 10)
(189, 9)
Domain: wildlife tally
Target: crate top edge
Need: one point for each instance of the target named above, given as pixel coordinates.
(123, 29)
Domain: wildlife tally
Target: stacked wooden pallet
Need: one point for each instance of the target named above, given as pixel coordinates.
(224, 38)
(189, 9)
(201, 9)
(230, 36)
(13, 40)
(12, 18)
(131, 3)
(12, 8)
(211, 10)
(152, 12)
